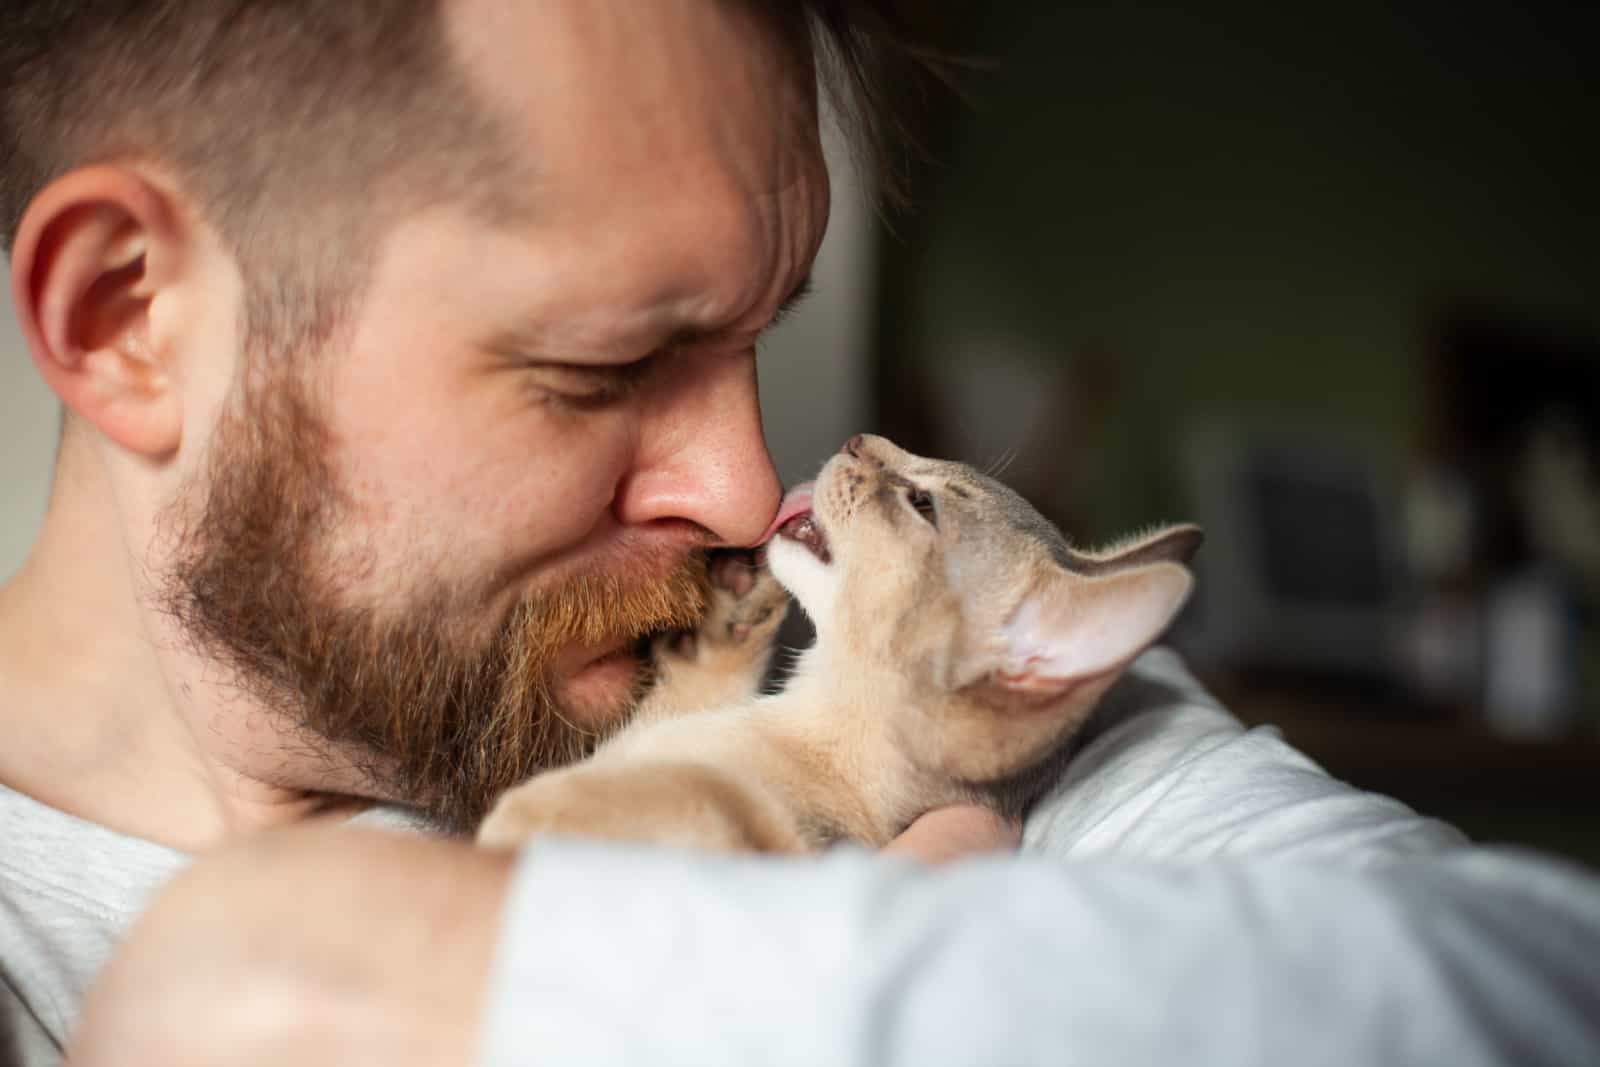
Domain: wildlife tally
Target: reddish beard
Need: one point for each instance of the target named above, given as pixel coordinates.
(425, 713)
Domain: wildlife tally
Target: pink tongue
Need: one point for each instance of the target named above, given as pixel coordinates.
(796, 501)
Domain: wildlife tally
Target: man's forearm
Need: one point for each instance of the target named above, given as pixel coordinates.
(352, 948)
(342, 946)
(313, 946)
(614, 956)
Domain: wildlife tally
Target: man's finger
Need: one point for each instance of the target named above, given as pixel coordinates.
(946, 834)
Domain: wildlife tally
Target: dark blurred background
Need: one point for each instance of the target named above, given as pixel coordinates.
(1324, 279)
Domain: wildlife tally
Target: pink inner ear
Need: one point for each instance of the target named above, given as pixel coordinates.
(1078, 628)
(1032, 683)
(1039, 677)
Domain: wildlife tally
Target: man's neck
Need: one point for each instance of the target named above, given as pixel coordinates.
(106, 715)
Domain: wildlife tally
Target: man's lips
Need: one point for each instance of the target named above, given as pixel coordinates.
(579, 658)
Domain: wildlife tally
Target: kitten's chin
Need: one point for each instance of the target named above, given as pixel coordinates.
(806, 577)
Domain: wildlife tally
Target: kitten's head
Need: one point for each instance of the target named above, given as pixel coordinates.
(932, 584)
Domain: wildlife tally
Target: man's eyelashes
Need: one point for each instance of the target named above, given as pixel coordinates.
(584, 386)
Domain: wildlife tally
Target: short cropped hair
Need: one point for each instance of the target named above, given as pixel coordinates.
(295, 123)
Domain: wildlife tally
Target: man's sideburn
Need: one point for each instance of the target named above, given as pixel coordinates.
(424, 712)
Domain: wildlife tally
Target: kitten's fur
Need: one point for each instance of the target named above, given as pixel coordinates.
(960, 644)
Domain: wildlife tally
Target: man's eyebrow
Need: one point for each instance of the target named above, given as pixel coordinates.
(535, 339)
(690, 335)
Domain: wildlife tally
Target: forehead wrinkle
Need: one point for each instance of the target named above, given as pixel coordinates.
(737, 207)
(796, 220)
(638, 82)
(567, 337)
(759, 319)
(785, 242)
(770, 240)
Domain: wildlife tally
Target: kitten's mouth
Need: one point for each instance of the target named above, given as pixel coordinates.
(804, 530)
(798, 523)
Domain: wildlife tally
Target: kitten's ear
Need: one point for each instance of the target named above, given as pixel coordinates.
(1172, 544)
(1076, 629)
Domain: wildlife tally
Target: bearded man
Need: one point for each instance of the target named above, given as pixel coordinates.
(407, 357)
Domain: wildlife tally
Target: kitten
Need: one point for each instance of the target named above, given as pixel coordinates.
(960, 644)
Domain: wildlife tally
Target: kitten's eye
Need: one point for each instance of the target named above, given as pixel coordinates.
(922, 501)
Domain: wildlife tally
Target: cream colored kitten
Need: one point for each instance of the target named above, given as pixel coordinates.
(960, 644)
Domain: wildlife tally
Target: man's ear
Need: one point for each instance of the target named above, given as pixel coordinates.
(95, 251)
(1076, 629)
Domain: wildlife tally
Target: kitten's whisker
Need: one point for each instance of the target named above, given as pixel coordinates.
(998, 468)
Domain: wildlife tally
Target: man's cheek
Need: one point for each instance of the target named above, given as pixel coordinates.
(559, 498)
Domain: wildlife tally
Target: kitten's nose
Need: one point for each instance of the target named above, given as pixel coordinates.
(870, 447)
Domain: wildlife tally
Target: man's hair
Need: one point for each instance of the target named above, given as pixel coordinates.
(296, 124)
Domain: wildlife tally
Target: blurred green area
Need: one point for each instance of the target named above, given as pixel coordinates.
(1250, 210)
(1256, 213)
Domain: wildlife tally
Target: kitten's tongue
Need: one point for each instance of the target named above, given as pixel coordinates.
(796, 502)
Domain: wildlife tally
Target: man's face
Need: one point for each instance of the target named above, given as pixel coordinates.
(446, 544)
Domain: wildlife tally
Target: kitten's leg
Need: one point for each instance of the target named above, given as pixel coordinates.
(663, 802)
(723, 661)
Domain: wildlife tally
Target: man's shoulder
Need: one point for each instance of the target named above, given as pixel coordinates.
(68, 891)
(1167, 773)
(77, 862)
(397, 818)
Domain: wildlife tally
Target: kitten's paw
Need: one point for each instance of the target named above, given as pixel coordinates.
(725, 658)
(564, 802)
(685, 805)
(747, 607)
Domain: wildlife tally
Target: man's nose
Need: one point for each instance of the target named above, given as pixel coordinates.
(703, 458)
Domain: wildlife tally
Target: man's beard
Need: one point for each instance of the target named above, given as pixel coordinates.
(422, 708)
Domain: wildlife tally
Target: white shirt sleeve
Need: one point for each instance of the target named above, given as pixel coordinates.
(1324, 925)
(1169, 774)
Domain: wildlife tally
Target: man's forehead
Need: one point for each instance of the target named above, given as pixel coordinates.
(593, 87)
(675, 177)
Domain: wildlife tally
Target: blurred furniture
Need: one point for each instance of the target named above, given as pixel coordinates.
(1299, 573)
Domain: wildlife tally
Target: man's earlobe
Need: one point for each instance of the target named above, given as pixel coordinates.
(96, 250)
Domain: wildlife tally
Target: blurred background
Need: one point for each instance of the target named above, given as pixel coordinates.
(1324, 281)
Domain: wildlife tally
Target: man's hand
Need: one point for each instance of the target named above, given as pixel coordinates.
(330, 945)
(946, 834)
(310, 946)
